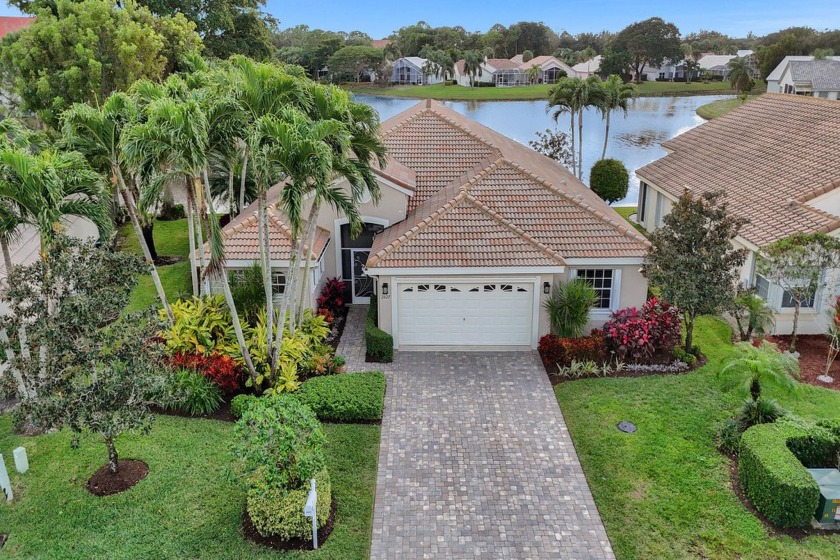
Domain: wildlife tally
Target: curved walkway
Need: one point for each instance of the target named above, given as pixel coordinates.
(476, 461)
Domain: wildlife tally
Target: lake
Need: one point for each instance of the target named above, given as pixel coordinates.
(635, 139)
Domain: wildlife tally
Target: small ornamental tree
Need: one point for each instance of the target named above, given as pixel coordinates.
(87, 368)
(556, 145)
(798, 264)
(609, 180)
(692, 259)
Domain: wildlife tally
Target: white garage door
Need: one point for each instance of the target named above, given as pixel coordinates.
(498, 313)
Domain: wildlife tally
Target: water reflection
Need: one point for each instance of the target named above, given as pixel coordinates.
(635, 140)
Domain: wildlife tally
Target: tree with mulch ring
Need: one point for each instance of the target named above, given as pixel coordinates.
(129, 472)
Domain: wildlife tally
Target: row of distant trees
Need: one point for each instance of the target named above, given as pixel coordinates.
(625, 51)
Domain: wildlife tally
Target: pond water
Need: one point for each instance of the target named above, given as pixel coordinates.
(635, 139)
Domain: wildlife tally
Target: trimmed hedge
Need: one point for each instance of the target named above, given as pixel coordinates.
(347, 397)
(380, 345)
(240, 403)
(775, 479)
(277, 512)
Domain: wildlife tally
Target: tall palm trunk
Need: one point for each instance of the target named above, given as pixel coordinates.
(288, 296)
(222, 278)
(128, 199)
(230, 192)
(199, 227)
(265, 257)
(242, 179)
(309, 237)
(191, 233)
(574, 160)
(606, 135)
(580, 144)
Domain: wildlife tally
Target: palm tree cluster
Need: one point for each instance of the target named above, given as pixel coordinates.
(222, 127)
(575, 95)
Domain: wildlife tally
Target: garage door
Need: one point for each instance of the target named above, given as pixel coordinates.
(465, 314)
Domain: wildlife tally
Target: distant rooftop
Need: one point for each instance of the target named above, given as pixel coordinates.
(10, 24)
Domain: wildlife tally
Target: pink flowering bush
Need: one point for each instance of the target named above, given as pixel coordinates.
(637, 335)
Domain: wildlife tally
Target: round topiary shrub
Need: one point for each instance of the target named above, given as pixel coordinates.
(280, 447)
(609, 180)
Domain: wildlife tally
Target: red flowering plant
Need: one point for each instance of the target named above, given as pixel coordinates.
(218, 368)
(638, 334)
(332, 297)
(561, 352)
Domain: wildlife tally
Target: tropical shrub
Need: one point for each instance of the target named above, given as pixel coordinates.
(222, 370)
(248, 292)
(762, 411)
(332, 296)
(379, 344)
(609, 179)
(749, 367)
(772, 463)
(240, 403)
(350, 397)
(195, 394)
(728, 436)
(681, 355)
(279, 446)
(323, 361)
(639, 334)
(568, 307)
(752, 315)
(561, 352)
(202, 326)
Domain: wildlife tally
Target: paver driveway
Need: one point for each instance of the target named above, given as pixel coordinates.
(476, 462)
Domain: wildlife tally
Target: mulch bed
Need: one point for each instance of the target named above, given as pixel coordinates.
(129, 473)
(555, 378)
(339, 323)
(277, 543)
(813, 350)
(773, 530)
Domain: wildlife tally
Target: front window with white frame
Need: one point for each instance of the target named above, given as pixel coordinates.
(603, 281)
(278, 282)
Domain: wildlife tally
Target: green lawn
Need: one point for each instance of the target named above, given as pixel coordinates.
(171, 239)
(540, 91)
(625, 212)
(187, 507)
(664, 492)
(715, 109)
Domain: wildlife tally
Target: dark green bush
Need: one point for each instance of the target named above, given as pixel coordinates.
(348, 397)
(609, 180)
(774, 478)
(240, 403)
(728, 437)
(762, 411)
(380, 345)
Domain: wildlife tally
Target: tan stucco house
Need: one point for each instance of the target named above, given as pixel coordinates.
(471, 231)
(776, 158)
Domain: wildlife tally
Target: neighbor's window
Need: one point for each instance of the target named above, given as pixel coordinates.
(788, 300)
(278, 283)
(762, 287)
(602, 281)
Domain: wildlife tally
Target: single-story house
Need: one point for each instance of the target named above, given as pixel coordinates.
(471, 231)
(551, 68)
(776, 159)
(816, 78)
(412, 70)
(589, 68)
(774, 78)
(718, 64)
(499, 71)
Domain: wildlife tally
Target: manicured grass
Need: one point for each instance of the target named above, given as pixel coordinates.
(187, 507)
(715, 109)
(664, 492)
(625, 212)
(539, 91)
(171, 240)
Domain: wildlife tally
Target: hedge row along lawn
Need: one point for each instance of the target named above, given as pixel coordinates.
(188, 505)
(664, 492)
(535, 92)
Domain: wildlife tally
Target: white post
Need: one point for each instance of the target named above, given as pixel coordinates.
(5, 483)
(21, 460)
(309, 510)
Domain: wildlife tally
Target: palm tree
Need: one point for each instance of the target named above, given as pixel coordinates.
(533, 73)
(473, 61)
(97, 133)
(740, 75)
(614, 95)
(574, 96)
(751, 367)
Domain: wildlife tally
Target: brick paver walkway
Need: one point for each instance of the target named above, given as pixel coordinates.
(475, 460)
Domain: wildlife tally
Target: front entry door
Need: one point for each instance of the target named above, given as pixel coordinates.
(362, 283)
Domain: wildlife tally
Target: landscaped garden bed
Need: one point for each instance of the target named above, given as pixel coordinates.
(812, 350)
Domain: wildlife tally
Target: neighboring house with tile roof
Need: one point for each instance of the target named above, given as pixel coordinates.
(11, 24)
(776, 159)
(773, 79)
(410, 70)
(551, 68)
(471, 231)
(589, 68)
(502, 72)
